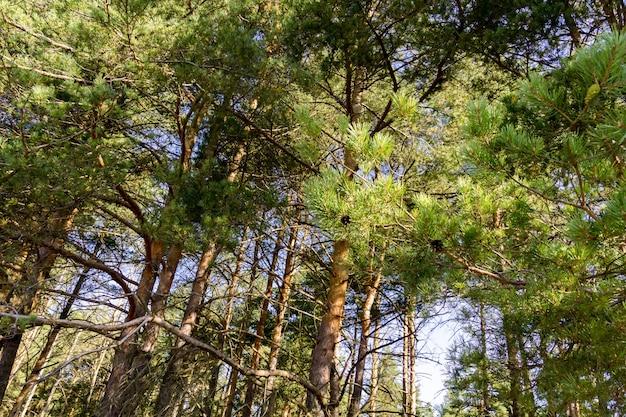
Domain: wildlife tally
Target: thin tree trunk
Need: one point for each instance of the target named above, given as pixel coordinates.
(221, 337)
(373, 406)
(283, 299)
(24, 293)
(484, 366)
(45, 412)
(172, 380)
(513, 364)
(44, 355)
(366, 315)
(234, 374)
(409, 392)
(260, 328)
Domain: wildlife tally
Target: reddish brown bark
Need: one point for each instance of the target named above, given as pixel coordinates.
(23, 293)
(172, 381)
(323, 374)
(323, 358)
(354, 407)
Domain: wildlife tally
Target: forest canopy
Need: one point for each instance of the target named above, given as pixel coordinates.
(260, 208)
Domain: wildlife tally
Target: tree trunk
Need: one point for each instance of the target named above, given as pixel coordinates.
(23, 294)
(45, 412)
(513, 364)
(221, 337)
(172, 381)
(285, 290)
(409, 392)
(373, 406)
(484, 366)
(234, 374)
(44, 354)
(366, 315)
(119, 396)
(323, 357)
(260, 328)
(322, 364)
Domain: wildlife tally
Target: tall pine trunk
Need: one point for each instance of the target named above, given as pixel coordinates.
(323, 374)
(172, 380)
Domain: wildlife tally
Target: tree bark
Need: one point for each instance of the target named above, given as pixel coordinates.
(172, 381)
(409, 377)
(119, 396)
(281, 309)
(23, 294)
(44, 354)
(234, 375)
(322, 364)
(366, 321)
(323, 357)
(260, 328)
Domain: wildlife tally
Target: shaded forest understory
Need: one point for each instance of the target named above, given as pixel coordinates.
(256, 208)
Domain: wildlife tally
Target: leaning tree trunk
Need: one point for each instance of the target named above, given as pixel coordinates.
(119, 399)
(172, 380)
(28, 388)
(23, 294)
(124, 389)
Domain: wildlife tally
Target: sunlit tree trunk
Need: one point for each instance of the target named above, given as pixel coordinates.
(323, 368)
(172, 381)
(373, 406)
(409, 375)
(126, 384)
(366, 316)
